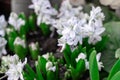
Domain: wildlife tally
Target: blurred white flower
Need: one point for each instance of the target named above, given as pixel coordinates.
(7, 60)
(3, 43)
(33, 46)
(81, 56)
(3, 25)
(100, 64)
(95, 25)
(77, 2)
(46, 56)
(67, 10)
(15, 21)
(44, 11)
(74, 25)
(50, 67)
(9, 30)
(115, 4)
(19, 41)
(14, 67)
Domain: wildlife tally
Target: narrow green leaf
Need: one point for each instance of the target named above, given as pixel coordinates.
(39, 74)
(30, 71)
(80, 66)
(45, 29)
(94, 73)
(114, 70)
(116, 76)
(50, 75)
(31, 22)
(67, 52)
(42, 64)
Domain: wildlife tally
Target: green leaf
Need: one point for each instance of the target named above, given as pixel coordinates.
(20, 51)
(114, 70)
(27, 76)
(94, 72)
(116, 76)
(32, 22)
(42, 64)
(108, 55)
(30, 71)
(24, 28)
(51, 75)
(39, 74)
(67, 54)
(45, 29)
(80, 66)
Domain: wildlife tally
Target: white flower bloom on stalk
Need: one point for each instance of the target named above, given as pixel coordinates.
(44, 11)
(67, 10)
(3, 43)
(3, 25)
(19, 41)
(33, 46)
(15, 67)
(75, 29)
(46, 56)
(96, 25)
(50, 67)
(15, 21)
(81, 56)
(100, 64)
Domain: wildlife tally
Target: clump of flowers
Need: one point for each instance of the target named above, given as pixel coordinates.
(14, 67)
(15, 21)
(44, 11)
(3, 43)
(3, 25)
(76, 28)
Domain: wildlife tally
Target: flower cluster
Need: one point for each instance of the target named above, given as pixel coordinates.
(74, 25)
(3, 25)
(44, 11)
(3, 42)
(15, 21)
(15, 67)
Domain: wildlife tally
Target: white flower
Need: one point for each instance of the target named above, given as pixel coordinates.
(33, 46)
(9, 30)
(3, 42)
(44, 11)
(67, 10)
(74, 28)
(14, 67)
(100, 64)
(46, 56)
(95, 25)
(50, 67)
(81, 56)
(19, 41)
(96, 14)
(15, 70)
(7, 60)
(15, 21)
(3, 25)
